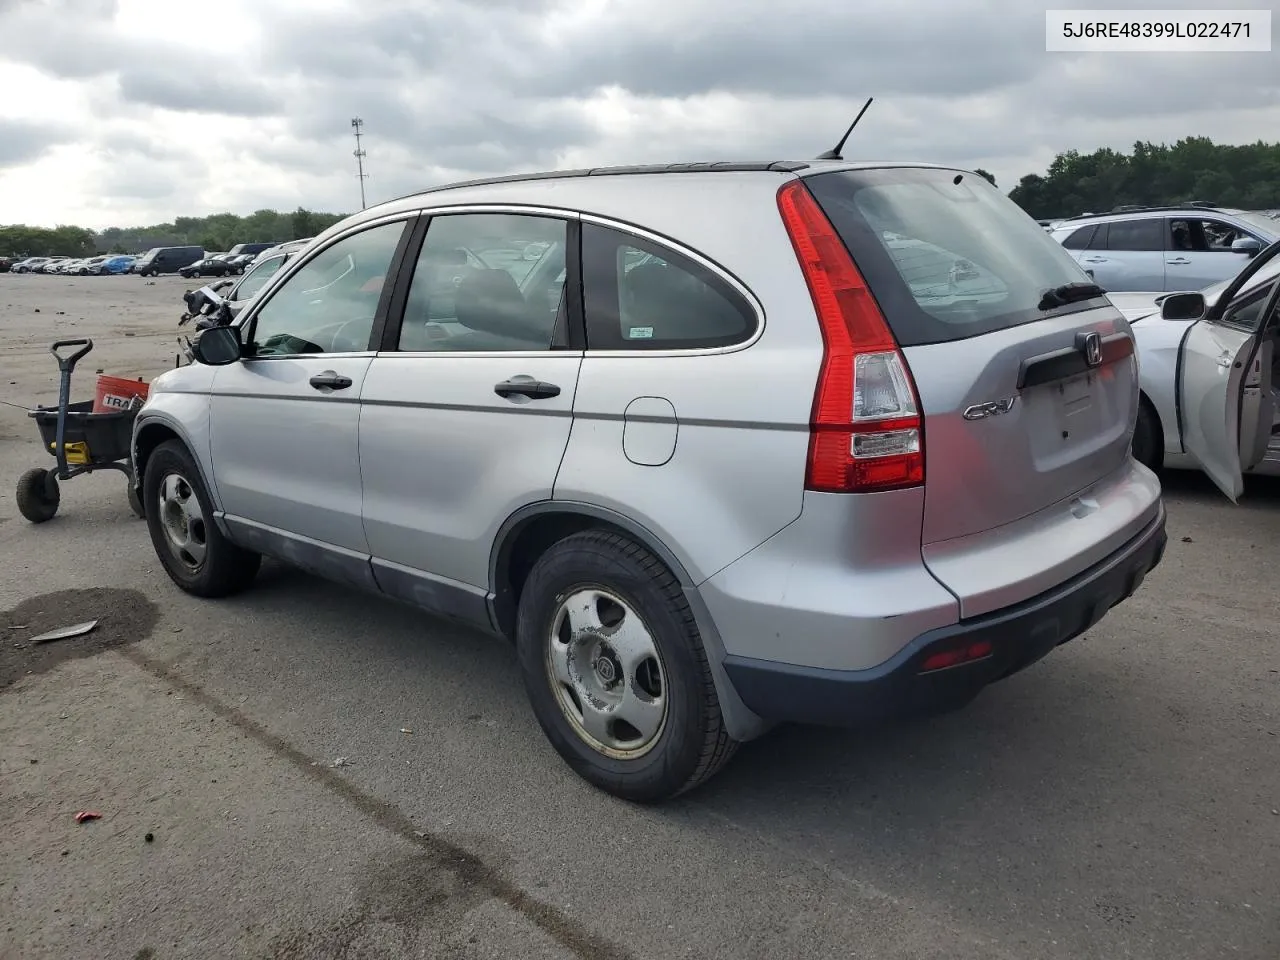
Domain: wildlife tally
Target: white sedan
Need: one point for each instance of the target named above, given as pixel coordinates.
(1214, 354)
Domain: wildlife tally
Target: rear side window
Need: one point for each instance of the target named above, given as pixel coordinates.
(946, 255)
(640, 295)
(1136, 235)
(1079, 240)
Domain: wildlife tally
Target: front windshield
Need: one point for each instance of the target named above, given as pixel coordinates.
(1261, 221)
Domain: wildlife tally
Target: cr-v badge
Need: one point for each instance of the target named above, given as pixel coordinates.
(981, 411)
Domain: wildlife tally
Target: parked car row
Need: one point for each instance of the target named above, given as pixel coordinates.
(75, 266)
(187, 261)
(192, 262)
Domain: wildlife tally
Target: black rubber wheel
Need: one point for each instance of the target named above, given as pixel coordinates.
(691, 743)
(38, 495)
(179, 514)
(135, 502)
(1148, 441)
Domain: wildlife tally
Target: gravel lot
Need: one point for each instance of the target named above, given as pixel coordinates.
(1120, 799)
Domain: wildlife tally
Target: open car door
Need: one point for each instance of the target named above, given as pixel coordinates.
(1225, 404)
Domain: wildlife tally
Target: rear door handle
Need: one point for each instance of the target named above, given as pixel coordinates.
(1177, 261)
(1095, 259)
(330, 380)
(526, 387)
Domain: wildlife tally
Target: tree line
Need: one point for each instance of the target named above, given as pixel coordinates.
(1195, 168)
(218, 232)
(1245, 176)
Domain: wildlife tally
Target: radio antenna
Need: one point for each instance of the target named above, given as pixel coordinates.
(835, 152)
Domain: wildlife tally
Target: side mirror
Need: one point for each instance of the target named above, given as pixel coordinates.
(218, 346)
(1183, 306)
(1246, 245)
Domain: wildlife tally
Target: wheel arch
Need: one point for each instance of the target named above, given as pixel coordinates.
(155, 430)
(528, 532)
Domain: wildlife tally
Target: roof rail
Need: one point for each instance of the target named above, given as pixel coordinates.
(1153, 208)
(724, 166)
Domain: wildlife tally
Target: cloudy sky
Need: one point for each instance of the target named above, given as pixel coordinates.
(128, 112)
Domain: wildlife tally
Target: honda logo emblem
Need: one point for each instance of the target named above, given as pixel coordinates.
(1090, 345)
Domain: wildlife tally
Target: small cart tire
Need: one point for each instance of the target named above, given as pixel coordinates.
(35, 501)
(135, 503)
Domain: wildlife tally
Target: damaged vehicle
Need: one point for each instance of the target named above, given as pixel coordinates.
(716, 446)
(1209, 377)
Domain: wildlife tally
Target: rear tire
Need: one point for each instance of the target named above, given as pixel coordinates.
(38, 495)
(179, 514)
(1148, 442)
(605, 636)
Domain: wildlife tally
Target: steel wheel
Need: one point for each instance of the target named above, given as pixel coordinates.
(182, 519)
(607, 673)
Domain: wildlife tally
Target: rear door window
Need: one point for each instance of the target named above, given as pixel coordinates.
(488, 282)
(946, 255)
(1136, 235)
(641, 295)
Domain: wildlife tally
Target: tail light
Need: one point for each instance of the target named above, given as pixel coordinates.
(866, 432)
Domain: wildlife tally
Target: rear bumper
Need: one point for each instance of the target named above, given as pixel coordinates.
(1019, 636)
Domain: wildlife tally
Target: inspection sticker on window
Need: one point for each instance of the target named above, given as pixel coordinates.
(640, 333)
(1151, 31)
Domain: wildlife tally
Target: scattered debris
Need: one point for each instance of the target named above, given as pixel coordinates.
(341, 762)
(84, 816)
(405, 730)
(61, 313)
(64, 633)
(150, 838)
(1187, 540)
(37, 310)
(130, 334)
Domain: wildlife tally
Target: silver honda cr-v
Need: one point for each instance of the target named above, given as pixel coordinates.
(715, 445)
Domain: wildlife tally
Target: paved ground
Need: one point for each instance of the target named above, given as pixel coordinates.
(1117, 800)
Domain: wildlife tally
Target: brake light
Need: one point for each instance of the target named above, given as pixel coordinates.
(865, 433)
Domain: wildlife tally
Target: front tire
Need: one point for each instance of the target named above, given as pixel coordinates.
(179, 515)
(38, 495)
(616, 671)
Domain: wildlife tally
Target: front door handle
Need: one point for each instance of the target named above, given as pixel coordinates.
(526, 387)
(329, 380)
(1095, 259)
(1178, 261)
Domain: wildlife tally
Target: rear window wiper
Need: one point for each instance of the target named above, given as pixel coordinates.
(1056, 297)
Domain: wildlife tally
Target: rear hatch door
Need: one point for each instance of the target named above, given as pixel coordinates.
(1025, 372)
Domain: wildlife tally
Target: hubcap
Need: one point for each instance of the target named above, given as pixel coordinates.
(183, 521)
(607, 673)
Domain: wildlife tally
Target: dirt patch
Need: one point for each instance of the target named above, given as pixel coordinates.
(413, 900)
(124, 617)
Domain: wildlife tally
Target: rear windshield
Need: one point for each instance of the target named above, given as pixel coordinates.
(946, 255)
